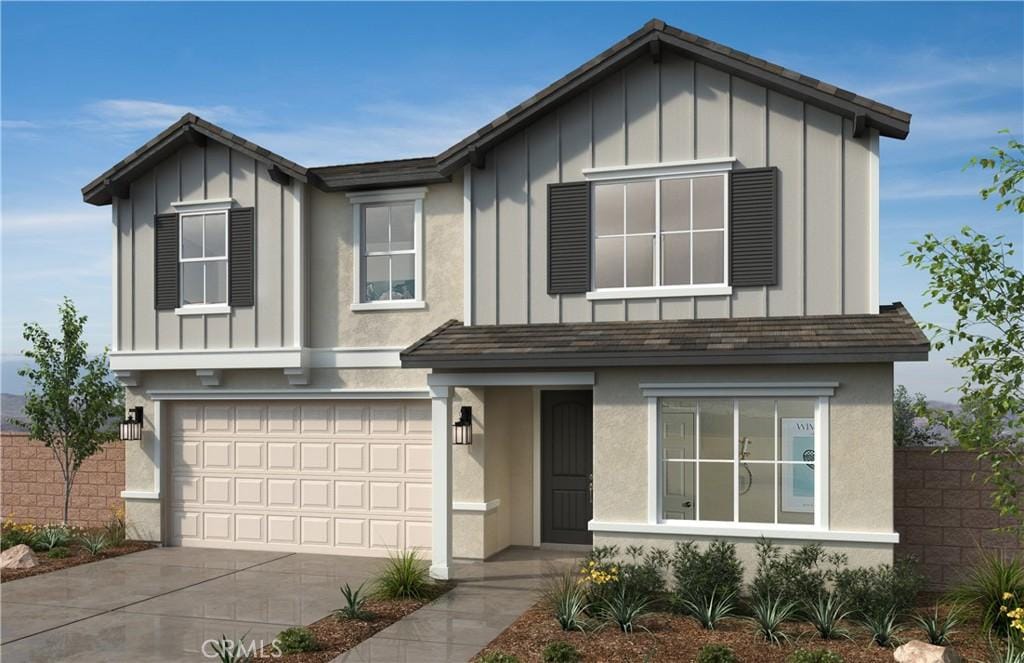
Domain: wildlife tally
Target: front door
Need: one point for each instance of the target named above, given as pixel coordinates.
(567, 466)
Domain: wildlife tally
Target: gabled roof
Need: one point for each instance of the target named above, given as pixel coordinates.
(892, 335)
(651, 40)
(189, 128)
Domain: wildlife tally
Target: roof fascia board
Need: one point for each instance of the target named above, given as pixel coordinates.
(572, 360)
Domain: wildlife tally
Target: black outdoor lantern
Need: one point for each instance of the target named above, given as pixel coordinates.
(131, 428)
(463, 433)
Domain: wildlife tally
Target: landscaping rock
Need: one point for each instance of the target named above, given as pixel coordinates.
(916, 651)
(18, 557)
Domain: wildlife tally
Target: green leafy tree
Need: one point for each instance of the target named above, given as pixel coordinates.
(908, 430)
(73, 404)
(973, 275)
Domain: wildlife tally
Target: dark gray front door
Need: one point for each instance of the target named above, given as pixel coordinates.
(567, 466)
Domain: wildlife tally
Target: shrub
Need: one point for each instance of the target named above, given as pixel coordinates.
(560, 652)
(94, 543)
(296, 640)
(50, 537)
(116, 529)
(938, 629)
(404, 576)
(622, 606)
(58, 553)
(568, 599)
(882, 627)
(991, 578)
(715, 654)
(769, 613)
(825, 614)
(355, 602)
(698, 574)
(876, 590)
(814, 656)
(13, 534)
(643, 575)
(709, 609)
(796, 574)
(497, 657)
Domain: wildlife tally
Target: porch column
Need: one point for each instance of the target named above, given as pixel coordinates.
(441, 467)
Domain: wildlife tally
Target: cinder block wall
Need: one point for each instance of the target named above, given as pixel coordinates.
(32, 488)
(943, 513)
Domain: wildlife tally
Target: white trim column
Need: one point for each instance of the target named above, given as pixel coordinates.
(441, 468)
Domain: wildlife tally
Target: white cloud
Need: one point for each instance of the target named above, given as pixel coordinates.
(36, 221)
(17, 125)
(145, 115)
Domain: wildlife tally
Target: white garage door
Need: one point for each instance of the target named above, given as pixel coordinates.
(348, 477)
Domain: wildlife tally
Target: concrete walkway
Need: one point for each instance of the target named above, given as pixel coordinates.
(164, 604)
(489, 596)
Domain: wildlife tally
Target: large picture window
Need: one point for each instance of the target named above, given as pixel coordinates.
(746, 460)
(203, 256)
(660, 232)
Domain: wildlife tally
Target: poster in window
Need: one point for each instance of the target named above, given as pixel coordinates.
(798, 476)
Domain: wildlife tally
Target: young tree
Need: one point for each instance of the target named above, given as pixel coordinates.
(974, 276)
(73, 405)
(908, 429)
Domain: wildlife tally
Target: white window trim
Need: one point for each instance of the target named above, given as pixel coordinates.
(655, 523)
(659, 172)
(201, 209)
(414, 195)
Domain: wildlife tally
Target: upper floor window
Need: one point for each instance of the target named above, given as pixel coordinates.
(388, 239)
(388, 252)
(663, 231)
(204, 258)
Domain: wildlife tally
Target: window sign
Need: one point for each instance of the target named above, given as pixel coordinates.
(798, 472)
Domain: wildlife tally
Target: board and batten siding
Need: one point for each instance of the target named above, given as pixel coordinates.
(207, 173)
(678, 110)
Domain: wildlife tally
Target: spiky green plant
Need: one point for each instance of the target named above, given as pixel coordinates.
(939, 629)
(825, 613)
(623, 606)
(50, 537)
(404, 576)
(95, 543)
(883, 627)
(355, 604)
(710, 609)
(230, 651)
(992, 576)
(568, 599)
(769, 613)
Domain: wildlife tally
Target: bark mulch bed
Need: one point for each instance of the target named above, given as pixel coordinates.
(337, 636)
(76, 556)
(671, 637)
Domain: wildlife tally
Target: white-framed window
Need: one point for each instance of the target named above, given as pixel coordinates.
(388, 242)
(660, 230)
(203, 258)
(741, 457)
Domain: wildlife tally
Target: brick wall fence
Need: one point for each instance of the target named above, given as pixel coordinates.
(32, 488)
(943, 512)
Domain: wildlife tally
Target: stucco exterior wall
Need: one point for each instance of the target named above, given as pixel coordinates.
(509, 467)
(331, 256)
(860, 443)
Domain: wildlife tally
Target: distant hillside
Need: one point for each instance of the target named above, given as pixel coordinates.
(11, 405)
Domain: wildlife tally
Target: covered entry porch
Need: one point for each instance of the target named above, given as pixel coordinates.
(512, 458)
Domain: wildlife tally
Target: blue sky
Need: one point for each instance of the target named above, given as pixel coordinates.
(84, 84)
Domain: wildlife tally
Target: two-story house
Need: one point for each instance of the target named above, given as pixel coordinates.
(640, 306)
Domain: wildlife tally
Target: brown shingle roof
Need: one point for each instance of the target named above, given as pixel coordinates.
(891, 335)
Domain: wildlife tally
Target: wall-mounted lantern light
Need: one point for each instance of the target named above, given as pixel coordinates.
(463, 428)
(131, 428)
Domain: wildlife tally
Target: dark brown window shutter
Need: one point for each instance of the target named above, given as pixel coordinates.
(568, 238)
(242, 257)
(754, 227)
(166, 275)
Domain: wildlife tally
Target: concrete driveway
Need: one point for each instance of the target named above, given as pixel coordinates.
(162, 604)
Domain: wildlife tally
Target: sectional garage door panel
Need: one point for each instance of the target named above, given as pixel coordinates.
(351, 477)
